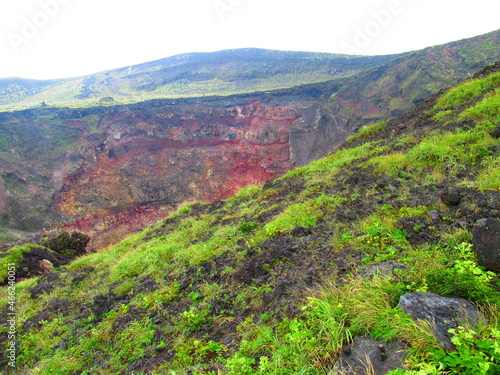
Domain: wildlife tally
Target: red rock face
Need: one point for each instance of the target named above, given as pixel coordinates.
(148, 162)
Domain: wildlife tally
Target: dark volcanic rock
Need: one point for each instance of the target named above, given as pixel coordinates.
(496, 132)
(148, 285)
(486, 243)
(124, 321)
(417, 229)
(366, 353)
(301, 232)
(442, 313)
(38, 290)
(103, 303)
(272, 249)
(451, 197)
(34, 262)
(68, 244)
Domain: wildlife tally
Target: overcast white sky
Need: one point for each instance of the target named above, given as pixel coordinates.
(44, 39)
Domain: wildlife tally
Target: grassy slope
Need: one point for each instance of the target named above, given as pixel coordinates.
(235, 288)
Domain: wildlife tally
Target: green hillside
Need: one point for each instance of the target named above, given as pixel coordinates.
(189, 75)
(270, 281)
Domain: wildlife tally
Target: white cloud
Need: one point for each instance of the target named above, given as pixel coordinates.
(77, 37)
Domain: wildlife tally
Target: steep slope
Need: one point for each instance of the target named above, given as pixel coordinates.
(189, 75)
(110, 170)
(280, 277)
(397, 86)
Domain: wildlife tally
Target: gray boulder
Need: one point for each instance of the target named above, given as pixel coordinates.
(367, 355)
(486, 243)
(442, 313)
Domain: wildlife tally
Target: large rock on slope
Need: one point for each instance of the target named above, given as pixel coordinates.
(366, 355)
(443, 313)
(486, 243)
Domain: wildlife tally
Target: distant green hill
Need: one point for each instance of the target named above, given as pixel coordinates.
(189, 75)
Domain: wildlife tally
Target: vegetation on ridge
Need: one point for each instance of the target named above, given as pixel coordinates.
(270, 282)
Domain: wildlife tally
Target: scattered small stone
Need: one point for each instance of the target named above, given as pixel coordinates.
(149, 285)
(78, 278)
(451, 197)
(301, 232)
(435, 215)
(496, 132)
(184, 284)
(45, 265)
(103, 303)
(63, 345)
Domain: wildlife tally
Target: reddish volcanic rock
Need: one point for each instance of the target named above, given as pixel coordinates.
(111, 171)
(147, 164)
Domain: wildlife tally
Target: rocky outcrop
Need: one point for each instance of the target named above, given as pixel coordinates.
(486, 243)
(368, 356)
(442, 313)
(67, 244)
(108, 172)
(37, 261)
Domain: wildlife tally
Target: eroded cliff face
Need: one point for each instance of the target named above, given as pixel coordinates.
(139, 164)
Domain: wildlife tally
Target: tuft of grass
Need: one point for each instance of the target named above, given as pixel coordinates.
(443, 115)
(489, 177)
(368, 130)
(247, 192)
(443, 151)
(467, 91)
(332, 164)
(304, 214)
(487, 109)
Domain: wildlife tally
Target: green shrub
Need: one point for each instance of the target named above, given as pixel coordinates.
(465, 279)
(248, 226)
(477, 352)
(489, 177)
